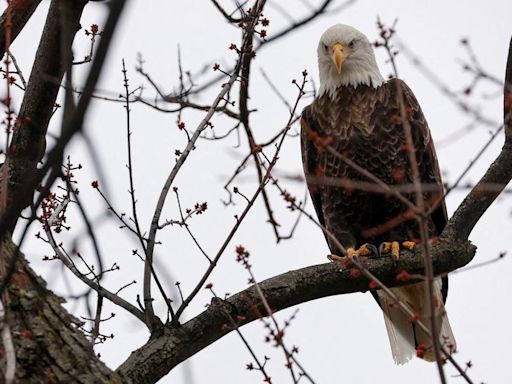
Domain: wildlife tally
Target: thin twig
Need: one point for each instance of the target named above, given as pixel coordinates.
(434, 79)
(185, 224)
(97, 319)
(90, 282)
(279, 339)
(89, 227)
(249, 205)
(227, 16)
(261, 367)
(151, 321)
(18, 70)
(163, 194)
(226, 242)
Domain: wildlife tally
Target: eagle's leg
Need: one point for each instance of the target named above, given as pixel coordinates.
(393, 248)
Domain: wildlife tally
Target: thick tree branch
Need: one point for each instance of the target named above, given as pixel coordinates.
(21, 11)
(28, 142)
(71, 124)
(507, 97)
(155, 359)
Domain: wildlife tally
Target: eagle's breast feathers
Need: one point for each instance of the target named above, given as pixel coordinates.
(364, 125)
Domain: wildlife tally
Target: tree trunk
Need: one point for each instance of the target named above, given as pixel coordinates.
(50, 347)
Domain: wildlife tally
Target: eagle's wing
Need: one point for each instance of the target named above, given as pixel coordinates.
(309, 162)
(428, 167)
(317, 130)
(404, 338)
(325, 123)
(427, 159)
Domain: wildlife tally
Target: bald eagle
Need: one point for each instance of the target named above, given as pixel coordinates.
(358, 116)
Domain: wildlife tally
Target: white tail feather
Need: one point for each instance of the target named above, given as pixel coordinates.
(400, 329)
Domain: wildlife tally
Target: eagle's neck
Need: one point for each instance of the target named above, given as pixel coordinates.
(354, 73)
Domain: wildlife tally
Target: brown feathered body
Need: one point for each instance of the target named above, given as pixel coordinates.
(364, 124)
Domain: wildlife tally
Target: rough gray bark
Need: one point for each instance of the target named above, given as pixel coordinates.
(49, 346)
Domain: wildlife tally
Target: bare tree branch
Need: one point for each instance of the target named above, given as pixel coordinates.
(148, 266)
(28, 142)
(93, 283)
(320, 10)
(177, 343)
(70, 125)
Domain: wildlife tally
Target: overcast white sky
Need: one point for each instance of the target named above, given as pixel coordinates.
(341, 339)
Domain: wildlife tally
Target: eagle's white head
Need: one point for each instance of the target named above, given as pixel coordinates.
(346, 58)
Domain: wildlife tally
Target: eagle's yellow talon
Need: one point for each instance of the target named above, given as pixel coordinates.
(333, 257)
(351, 252)
(392, 247)
(364, 250)
(395, 250)
(385, 247)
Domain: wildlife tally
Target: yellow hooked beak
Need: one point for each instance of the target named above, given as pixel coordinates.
(339, 54)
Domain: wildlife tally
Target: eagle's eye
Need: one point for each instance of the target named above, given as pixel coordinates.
(352, 44)
(326, 47)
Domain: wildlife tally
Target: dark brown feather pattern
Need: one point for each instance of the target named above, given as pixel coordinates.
(364, 124)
